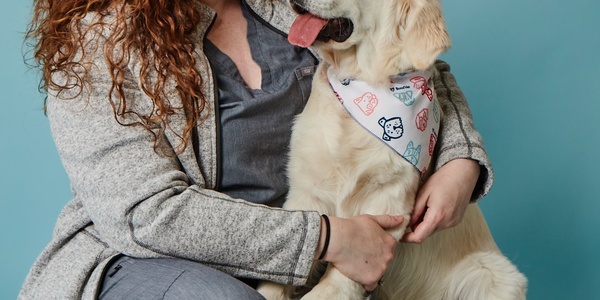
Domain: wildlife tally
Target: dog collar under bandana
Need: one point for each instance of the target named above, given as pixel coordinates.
(404, 113)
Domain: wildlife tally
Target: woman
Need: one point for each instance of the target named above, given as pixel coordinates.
(166, 114)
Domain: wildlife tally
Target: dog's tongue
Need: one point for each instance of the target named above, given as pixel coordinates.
(305, 29)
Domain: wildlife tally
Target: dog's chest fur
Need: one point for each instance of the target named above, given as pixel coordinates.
(345, 169)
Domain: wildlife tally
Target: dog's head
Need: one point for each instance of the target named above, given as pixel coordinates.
(370, 39)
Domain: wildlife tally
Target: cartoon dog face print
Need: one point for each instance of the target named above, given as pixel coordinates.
(422, 119)
(405, 97)
(412, 154)
(420, 83)
(392, 128)
(367, 103)
(432, 141)
(436, 111)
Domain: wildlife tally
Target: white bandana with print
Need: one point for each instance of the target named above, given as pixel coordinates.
(404, 113)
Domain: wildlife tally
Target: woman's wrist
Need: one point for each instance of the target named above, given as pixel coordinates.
(468, 169)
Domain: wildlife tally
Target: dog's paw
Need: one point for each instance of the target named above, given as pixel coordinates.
(329, 292)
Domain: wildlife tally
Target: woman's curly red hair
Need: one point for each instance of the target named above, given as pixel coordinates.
(160, 28)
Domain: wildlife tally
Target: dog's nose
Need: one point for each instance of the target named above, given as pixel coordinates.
(338, 29)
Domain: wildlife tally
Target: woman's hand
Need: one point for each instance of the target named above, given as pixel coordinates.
(443, 199)
(360, 248)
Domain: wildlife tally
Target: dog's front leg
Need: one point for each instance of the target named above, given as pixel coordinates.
(275, 291)
(335, 286)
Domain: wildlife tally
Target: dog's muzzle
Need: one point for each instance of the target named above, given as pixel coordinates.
(336, 29)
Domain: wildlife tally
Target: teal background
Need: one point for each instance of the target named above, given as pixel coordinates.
(531, 72)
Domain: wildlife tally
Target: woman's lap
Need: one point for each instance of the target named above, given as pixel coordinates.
(165, 278)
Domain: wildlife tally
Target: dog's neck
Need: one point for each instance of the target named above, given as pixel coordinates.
(349, 63)
(374, 79)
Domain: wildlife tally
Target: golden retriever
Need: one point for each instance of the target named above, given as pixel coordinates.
(338, 168)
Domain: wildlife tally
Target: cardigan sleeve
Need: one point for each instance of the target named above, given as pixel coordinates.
(458, 137)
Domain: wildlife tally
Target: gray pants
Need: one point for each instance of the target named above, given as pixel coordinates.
(163, 278)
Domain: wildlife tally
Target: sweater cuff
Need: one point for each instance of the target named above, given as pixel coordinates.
(307, 254)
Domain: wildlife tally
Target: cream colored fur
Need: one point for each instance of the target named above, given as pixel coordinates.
(338, 168)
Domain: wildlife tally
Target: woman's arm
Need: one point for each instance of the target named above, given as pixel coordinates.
(458, 137)
(463, 171)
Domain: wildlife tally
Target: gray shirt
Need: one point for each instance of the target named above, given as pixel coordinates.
(256, 123)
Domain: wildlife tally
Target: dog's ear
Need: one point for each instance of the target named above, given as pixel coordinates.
(423, 31)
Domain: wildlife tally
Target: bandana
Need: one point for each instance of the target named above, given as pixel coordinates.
(404, 113)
